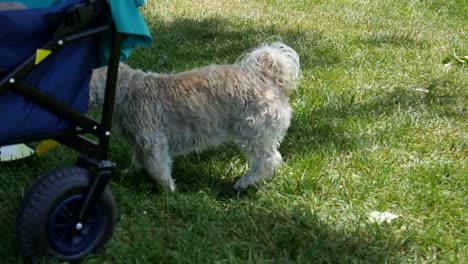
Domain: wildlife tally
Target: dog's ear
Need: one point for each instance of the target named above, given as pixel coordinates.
(266, 60)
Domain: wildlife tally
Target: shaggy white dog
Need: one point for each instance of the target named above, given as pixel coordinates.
(164, 115)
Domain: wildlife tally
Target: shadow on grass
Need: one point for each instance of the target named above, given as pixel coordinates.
(230, 226)
(395, 39)
(240, 230)
(185, 43)
(327, 127)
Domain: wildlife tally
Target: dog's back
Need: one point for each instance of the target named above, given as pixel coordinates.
(214, 100)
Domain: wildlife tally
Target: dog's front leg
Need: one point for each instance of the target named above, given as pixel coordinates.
(158, 162)
(263, 166)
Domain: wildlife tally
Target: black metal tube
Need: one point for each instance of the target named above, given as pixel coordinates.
(56, 106)
(87, 33)
(105, 167)
(109, 98)
(43, 137)
(81, 144)
(22, 70)
(96, 188)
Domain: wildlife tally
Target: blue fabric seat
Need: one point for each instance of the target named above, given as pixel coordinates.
(64, 75)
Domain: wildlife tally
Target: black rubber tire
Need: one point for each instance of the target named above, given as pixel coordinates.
(42, 199)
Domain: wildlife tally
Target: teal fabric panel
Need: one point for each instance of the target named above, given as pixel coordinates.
(128, 21)
(35, 3)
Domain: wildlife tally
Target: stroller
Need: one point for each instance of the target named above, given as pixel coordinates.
(47, 55)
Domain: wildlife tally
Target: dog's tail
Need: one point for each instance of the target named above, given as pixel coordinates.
(276, 62)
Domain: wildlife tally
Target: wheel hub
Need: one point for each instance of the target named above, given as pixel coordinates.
(79, 226)
(68, 235)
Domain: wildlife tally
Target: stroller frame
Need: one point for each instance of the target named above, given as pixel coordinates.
(78, 22)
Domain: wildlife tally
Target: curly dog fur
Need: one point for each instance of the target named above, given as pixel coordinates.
(165, 115)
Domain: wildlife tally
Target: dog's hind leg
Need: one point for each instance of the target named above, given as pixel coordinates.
(158, 162)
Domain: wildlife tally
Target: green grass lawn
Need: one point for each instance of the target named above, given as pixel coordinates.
(380, 124)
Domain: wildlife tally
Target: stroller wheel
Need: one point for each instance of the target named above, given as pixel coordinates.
(47, 222)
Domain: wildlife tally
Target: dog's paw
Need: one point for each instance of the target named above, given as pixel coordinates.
(172, 188)
(127, 171)
(168, 185)
(243, 183)
(132, 170)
